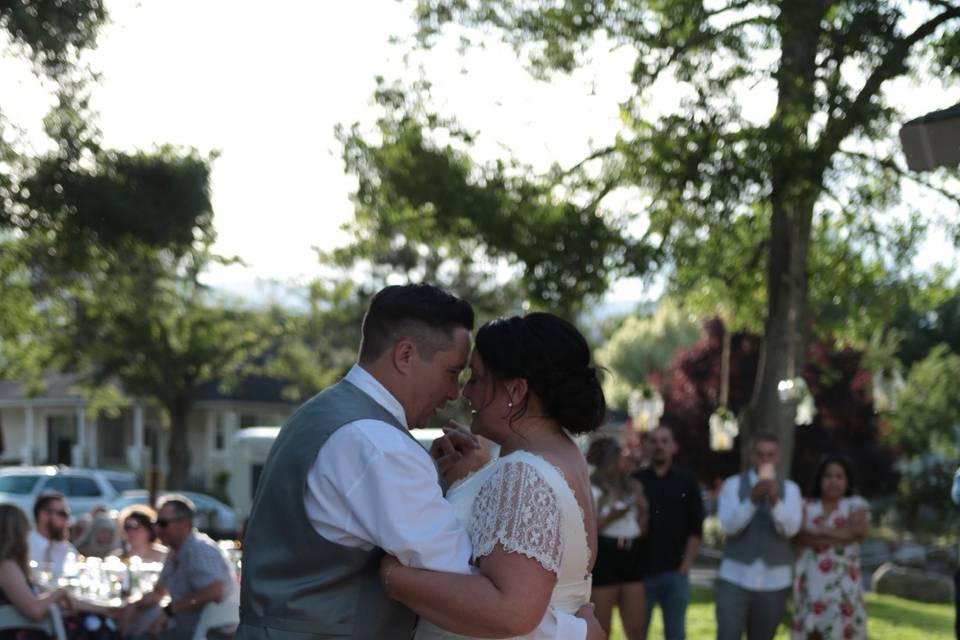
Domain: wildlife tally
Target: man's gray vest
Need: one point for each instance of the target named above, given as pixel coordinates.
(295, 584)
(759, 539)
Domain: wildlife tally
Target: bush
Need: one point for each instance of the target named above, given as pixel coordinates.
(923, 497)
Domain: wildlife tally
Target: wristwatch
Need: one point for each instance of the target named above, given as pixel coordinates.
(168, 610)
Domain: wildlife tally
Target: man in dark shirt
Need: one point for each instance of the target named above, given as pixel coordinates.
(674, 533)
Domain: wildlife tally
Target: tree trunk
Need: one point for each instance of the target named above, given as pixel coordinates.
(784, 336)
(178, 451)
(796, 181)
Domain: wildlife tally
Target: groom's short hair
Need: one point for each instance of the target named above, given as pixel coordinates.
(426, 314)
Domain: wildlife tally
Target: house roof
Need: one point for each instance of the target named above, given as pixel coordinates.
(250, 389)
(260, 389)
(936, 116)
(56, 386)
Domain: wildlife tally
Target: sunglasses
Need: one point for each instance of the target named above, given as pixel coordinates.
(62, 514)
(133, 525)
(163, 522)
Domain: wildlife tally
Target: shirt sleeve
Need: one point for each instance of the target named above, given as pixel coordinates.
(381, 487)
(518, 510)
(695, 515)
(788, 512)
(206, 567)
(734, 514)
(561, 626)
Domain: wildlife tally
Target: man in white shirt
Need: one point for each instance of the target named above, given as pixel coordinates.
(368, 485)
(759, 513)
(48, 543)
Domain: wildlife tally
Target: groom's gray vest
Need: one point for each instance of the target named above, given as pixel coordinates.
(759, 539)
(295, 584)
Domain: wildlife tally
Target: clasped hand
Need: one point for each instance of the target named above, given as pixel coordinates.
(458, 452)
(765, 489)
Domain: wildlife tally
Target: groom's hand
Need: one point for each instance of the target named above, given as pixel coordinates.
(594, 629)
(458, 452)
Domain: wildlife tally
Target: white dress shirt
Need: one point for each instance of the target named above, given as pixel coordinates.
(373, 485)
(56, 552)
(736, 514)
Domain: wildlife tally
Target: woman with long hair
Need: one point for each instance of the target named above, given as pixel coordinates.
(621, 521)
(15, 587)
(828, 595)
(529, 513)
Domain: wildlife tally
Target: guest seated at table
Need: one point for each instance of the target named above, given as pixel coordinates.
(196, 572)
(138, 536)
(15, 587)
(48, 543)
(100, 539)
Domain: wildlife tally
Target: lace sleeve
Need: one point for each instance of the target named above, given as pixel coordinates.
(517, 509)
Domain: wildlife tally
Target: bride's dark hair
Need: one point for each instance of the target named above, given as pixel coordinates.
(554, 358)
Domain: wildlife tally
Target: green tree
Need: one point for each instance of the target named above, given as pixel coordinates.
(928, 408)
(143, 319)
(761, 203)
(641, 346)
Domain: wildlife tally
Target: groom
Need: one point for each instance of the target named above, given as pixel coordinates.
(345, 481)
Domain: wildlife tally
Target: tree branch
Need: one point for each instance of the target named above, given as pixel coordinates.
(903, 173)
(599, 153)
(707, 36)
(892, 65)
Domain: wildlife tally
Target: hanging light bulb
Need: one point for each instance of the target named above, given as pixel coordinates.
(723, 429)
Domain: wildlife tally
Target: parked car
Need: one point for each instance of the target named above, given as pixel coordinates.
(83, 488)
(217, 520)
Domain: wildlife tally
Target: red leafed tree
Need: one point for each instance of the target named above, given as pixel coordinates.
(845, 421)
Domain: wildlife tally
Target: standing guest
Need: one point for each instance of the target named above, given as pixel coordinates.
(49, 547)
(196, 572)
(621, 520)
(827, 590)
(759, 513)
(138, 536)
(675, 531)
(15, 587)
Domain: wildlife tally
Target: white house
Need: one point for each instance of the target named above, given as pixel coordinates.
(56, 428)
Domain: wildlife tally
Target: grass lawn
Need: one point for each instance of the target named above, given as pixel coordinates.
(888, 618)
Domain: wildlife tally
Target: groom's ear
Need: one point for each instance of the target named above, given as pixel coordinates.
(404, 351)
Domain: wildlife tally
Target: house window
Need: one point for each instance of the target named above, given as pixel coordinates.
(113, 437)
(249, 420)
(219, 432)
(61, 436)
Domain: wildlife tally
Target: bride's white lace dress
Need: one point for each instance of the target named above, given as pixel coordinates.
(523, 503)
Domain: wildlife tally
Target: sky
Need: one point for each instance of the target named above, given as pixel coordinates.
(265, 90)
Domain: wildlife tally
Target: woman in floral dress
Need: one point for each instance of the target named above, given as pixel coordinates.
(827, 590)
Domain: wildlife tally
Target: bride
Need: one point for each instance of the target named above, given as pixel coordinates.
(529, 513)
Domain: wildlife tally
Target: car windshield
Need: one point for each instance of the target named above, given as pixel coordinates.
(18, 484)
(123, 484)
(125, 501)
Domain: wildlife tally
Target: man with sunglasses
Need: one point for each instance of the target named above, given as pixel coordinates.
(49, 546)
(196, 572)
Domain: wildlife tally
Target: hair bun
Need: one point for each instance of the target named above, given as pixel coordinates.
(575, 399)
(554, 358)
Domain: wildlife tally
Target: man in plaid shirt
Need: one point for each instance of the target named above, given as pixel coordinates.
(196, 572)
